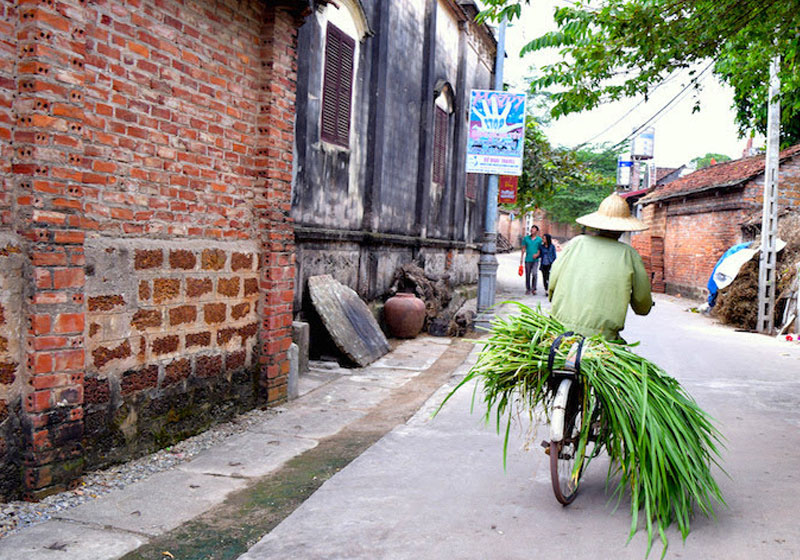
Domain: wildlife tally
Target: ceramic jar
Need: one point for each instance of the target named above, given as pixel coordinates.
(404, 315)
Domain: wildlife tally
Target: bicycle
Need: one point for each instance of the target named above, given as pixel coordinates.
(567, 460)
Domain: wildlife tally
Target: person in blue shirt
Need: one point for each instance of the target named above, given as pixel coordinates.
(530, 254)
(548, 251)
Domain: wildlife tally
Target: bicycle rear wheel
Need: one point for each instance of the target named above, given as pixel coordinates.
(565, 471)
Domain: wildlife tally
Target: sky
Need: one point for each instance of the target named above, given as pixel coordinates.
(680, 135)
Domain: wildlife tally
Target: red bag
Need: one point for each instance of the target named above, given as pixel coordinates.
(521, 270)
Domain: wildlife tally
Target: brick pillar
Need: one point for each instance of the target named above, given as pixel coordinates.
(273, 167)
(8, 90)
(48, 163)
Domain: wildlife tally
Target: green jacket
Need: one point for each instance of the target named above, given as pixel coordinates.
(592, 283)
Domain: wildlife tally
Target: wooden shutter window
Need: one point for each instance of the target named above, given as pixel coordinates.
(440, 146)
(337, 87)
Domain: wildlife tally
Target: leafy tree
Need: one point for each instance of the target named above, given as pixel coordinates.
(566, 183)
(705, 161)
(583, 192)
(545, 170)
(622, 48)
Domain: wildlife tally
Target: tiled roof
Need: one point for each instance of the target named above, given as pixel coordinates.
(662, 172)
(725, 174)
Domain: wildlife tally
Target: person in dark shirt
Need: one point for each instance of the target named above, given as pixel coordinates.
(548, 251)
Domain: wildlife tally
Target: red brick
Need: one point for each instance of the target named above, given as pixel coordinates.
(69, 237)
(68, 278)
(42, 363)
(38, 401)
(69, 323)
(43, 278)
(39, 382)
(50, 342)
(69, 360)
(49, 259)
(40, 324)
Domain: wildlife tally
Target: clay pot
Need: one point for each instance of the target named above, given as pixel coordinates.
(404, 314)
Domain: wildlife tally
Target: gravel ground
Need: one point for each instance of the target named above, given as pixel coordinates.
(18, 515)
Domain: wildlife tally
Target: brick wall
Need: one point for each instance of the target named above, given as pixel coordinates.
(156, 137)
(170, 340)
(697, 229)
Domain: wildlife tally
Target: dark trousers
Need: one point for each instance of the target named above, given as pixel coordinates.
(531, 268)
(546, 275)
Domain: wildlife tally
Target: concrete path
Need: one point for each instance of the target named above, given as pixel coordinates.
(332, 399)
(436, 487)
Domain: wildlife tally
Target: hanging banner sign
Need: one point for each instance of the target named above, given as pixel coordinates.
(496, 136)
(507, 189)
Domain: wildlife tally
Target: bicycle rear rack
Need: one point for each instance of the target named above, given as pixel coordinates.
(572, 366)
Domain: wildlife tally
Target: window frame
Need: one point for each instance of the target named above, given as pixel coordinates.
(441, 129)
(337, 87)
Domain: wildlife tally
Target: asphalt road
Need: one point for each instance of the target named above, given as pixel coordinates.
(436, 488)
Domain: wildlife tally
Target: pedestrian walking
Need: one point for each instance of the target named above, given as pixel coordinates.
(548, 251)
(530, 255)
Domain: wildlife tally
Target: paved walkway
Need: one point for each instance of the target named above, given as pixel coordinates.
(436, 488)
(370, 400)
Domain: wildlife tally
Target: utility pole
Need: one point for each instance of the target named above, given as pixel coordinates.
(487, 265)
(769, 217)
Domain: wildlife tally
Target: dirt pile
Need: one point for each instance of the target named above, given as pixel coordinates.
(737, 305)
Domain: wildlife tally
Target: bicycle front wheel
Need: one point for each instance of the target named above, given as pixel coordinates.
(565, 468)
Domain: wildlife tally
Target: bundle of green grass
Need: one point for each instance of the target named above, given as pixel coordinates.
(661, 445)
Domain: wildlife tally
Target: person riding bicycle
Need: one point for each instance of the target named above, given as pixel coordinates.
(596, 276)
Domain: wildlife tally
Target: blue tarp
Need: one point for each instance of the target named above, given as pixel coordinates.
(712, 286)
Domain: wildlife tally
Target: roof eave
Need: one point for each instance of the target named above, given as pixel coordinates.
(651, 199)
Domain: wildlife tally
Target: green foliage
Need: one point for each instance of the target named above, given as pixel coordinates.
(705, 161)
(546, 171)
(584, 193)
(566, 183)
(623, 48)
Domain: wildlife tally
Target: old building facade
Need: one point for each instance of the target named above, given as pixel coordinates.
(383, 95)
(695, 219)
(146, 244)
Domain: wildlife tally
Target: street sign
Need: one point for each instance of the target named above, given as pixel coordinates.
(496, 136)
(507, 193)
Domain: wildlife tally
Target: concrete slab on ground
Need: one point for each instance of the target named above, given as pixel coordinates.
(312, 422)
(61, 540)
(157, 504)
(346, 394)
(252, 454)
(416, 354)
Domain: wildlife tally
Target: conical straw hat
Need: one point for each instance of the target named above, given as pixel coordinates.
(612, 215)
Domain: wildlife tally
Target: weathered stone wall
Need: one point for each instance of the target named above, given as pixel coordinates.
(375, 198)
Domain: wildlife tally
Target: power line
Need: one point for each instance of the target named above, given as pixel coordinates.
(653, 118)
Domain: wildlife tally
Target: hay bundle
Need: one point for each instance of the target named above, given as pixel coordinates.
(737, 305)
